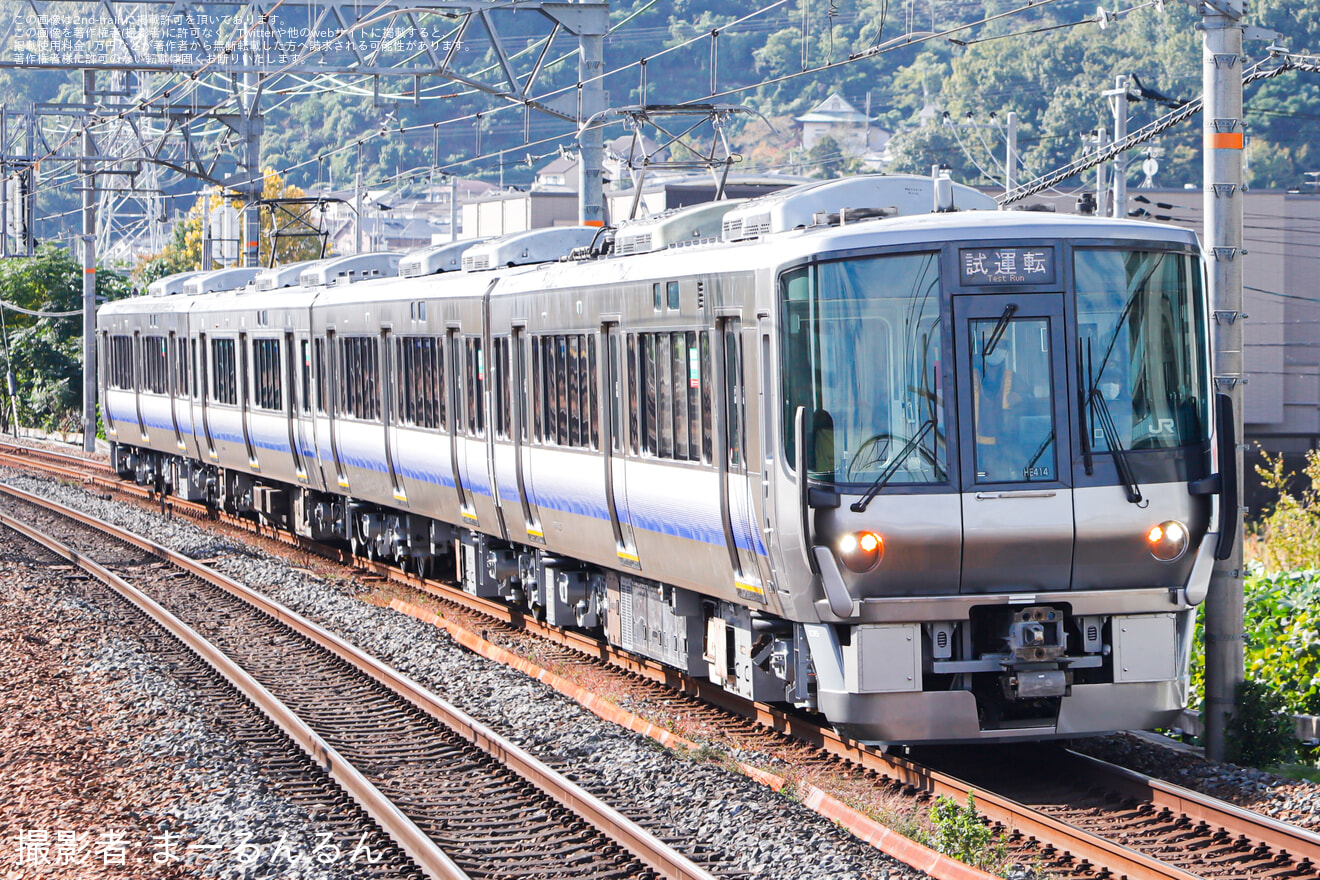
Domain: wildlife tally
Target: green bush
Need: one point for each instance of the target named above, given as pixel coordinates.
(1260, 733)
(961, 832)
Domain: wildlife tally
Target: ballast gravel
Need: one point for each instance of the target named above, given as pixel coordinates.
(109, 766)
(764, 833)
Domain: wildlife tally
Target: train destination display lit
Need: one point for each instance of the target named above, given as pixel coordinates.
(1007, 265)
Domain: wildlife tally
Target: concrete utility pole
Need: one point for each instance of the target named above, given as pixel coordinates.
(357, 213)
(1100, 140)
(1221, 23)
(1118, 96)
(1010, 165)
(89, 270)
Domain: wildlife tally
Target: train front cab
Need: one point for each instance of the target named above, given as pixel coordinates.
(1010, 493)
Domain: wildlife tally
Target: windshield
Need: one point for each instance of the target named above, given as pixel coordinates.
(861, 351)
(1142, 345)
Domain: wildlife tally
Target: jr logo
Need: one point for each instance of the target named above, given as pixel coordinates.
(1162, 426)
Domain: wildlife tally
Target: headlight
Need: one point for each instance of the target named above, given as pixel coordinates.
(1167, 541)
(861, 551)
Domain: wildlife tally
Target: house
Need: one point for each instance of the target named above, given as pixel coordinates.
(850, 129)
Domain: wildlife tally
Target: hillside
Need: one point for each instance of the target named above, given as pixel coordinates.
(1048, 63)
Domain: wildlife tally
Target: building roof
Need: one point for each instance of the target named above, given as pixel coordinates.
(833, 109)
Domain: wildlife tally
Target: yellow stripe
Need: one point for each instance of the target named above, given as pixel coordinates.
(535, 533)
(623, 554)
(471, 516)
(398, 496)
(343, 484)
(751, 588)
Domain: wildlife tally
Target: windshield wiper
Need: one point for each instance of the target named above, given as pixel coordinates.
(989, 345)
(1110, 430)
(859, 506)
(1045, 444)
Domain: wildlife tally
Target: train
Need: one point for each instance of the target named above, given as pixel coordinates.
(868, 447)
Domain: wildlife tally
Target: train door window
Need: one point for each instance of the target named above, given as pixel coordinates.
(664, 414)
(650, 401)
(671, 295)
(500, 387)
(614, 392)
(678, 372)
(593, 410)
(371, 384)
(437, 385)
(538, 389)
(707, 422)
(518, 387)
(192, 349)
(733, 391)
(474, 385)
(267, 378)
(561, 390)
(305, 362)
(181, 380)
(318, 354)
(634, 416)
(574, 391)
(224, 372)
(203, 386)
(346, 359)
(693, 376)
(657, 296)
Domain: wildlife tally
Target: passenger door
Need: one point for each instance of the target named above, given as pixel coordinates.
(1018, 527)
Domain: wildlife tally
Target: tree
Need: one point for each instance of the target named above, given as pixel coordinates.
(184, 252)
(827, 160)
(45, 354)
(917, 150)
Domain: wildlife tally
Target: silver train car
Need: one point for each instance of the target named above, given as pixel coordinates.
(867, 447)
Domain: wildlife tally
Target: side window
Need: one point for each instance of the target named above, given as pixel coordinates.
(121, 362)
(359, 378)
(224, 372)
(267, 392)
(671, 295)
(155, 364)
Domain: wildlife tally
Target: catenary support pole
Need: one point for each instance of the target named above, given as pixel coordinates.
(89, 270)
(1222, 122)
(591, 163)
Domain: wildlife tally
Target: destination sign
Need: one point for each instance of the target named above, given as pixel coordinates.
(1006, 265)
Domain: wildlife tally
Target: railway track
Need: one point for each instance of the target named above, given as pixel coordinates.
(462, 801)
(1091, 819)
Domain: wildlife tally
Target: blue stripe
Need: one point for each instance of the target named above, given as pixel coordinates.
(552, 490)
